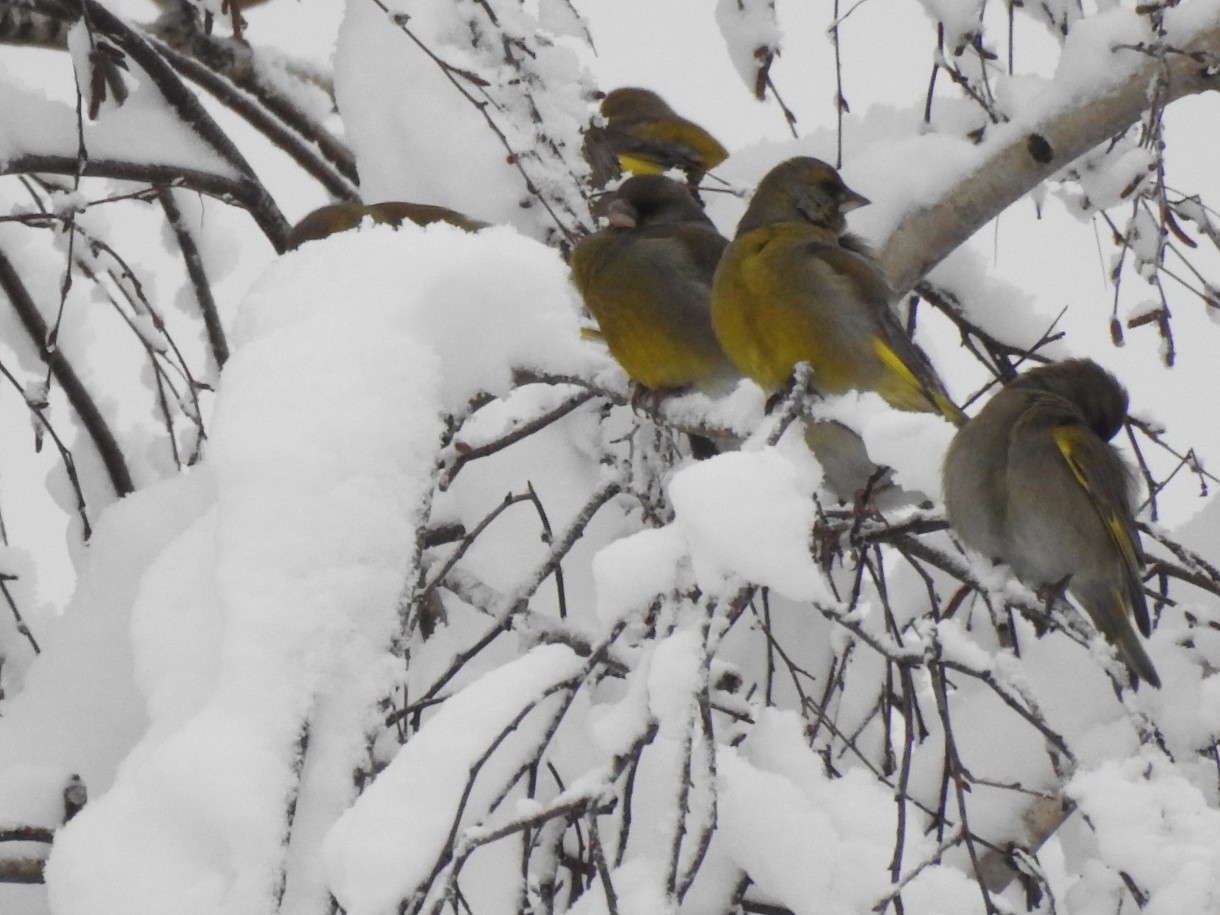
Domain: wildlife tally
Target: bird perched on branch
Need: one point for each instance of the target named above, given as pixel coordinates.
(794, 287)
(644, 136)
(647, 280)
(340, 217)
(1031, 481)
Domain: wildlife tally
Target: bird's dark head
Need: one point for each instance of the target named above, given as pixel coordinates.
(660, 201)
(803, 189)
(630, 103)
(1100, 397)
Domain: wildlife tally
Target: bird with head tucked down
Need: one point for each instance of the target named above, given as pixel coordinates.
(340, 217)
(794, 287)
(647, 278)
(1032, 481)
(644, 136)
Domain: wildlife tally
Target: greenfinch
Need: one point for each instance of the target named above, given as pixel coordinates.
(644, 136)
(340, 217)
(1032, 482)
(647, 279)
(794, 286)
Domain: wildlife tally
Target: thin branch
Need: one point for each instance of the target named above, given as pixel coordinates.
(18, 620)
(236, 191)
(26, 834)
(184, 103)
(21, 870)
(300, 139)
(466, 454)
(90, 416)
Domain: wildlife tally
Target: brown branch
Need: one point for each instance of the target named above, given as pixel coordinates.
(23, 628)
(238, 191)
(183, 102)
(199, 278)
(39, 410)
(27, 834)
(466, 454)
(306, 143)
(467, 540)
(956, 773)
(516, 158)
(224, 67)
(21, 870)
(21, 24)
(90, 416)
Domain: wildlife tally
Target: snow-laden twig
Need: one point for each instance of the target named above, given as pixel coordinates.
(198, 276)
(75, 390)
(925, 237)
(464, 455)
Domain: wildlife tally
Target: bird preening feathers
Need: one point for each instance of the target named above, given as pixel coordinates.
(1033, 482)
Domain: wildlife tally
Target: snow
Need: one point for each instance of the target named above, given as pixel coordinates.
(630, 572)
(618, 721)
(441, 126)
(751, 34)
(961, 19)
(1106, 181)
(81, 709)
(222, 677)
(912, 443)
(271, 617)
(674, 678)
(35, 125)
(1154, 826)
(370, 859)
(844, 825)
(750, 514)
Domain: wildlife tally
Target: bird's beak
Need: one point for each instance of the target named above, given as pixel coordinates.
(622, 214)
(850, 200)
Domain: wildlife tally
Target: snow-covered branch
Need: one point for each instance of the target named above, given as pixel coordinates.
(1019, 157)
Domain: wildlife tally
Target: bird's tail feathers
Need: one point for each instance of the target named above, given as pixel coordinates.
(1111, 612)
(1131, 649)
(931, 392)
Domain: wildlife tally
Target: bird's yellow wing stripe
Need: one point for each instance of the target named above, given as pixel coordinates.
(1071, 441)
(639, 166)
(945, 406)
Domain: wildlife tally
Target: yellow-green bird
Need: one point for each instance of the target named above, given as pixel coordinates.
(1032, 481)
(647, 279)
(644, 136)
(340, 217)
(792, 288)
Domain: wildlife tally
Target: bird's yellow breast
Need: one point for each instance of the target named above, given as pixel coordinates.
(769, 316)
(652, 328)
